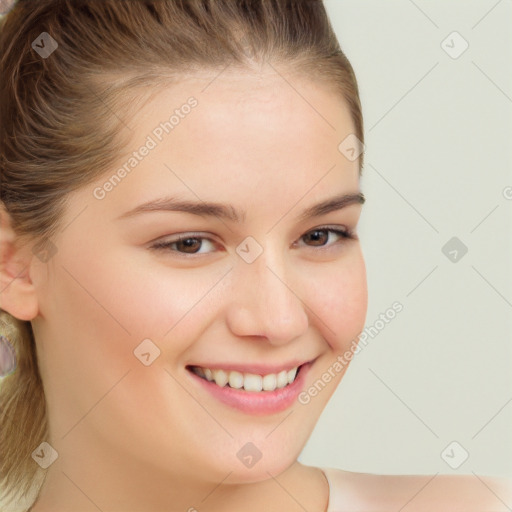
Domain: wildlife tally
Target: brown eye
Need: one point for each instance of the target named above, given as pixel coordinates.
(198, 245)
(188, 245)
(185, 245)
(320, 237)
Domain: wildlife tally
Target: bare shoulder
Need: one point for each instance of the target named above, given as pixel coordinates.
(364, 492)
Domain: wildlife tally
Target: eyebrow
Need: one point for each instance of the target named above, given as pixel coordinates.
(228, 212)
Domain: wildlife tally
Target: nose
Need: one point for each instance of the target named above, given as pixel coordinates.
(266, 302)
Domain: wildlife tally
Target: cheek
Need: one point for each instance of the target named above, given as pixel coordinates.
(340, 301)
(125, 295)
(108, 309)
(96, 314)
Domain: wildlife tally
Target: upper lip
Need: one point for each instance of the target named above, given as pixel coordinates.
(257, 369)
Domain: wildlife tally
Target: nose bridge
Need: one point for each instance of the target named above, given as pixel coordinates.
(265, 301)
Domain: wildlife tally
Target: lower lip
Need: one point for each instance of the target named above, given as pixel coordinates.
(257, 402)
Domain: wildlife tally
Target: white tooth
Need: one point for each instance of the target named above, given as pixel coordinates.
(220, 377)
(291, 375)
(269, 382)
(253, 382)
(249, 381)
(236, 380)
(282, 379)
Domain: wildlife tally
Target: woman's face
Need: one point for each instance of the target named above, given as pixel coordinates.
(125, 310)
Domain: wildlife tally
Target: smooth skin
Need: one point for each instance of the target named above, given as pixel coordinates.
(132, 437)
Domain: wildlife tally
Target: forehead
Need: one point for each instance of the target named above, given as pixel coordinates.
(243, 113)
(272, 96)
(247, 132)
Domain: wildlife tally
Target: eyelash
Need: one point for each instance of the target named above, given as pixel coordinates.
(345, 234)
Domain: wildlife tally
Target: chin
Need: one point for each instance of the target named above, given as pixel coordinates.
(263, 454)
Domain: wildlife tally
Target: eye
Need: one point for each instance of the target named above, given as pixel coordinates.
(191, 244)
(188, 244)
(320, 236)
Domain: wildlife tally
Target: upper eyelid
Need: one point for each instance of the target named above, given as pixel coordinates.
(203, 236)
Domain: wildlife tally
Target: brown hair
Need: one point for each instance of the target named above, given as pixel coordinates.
(60, 124)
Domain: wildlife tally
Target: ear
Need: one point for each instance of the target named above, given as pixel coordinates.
(17, 292)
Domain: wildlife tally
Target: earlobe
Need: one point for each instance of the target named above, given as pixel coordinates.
(17, 292)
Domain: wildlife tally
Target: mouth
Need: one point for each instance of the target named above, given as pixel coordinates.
(246, 381)
(251, 393)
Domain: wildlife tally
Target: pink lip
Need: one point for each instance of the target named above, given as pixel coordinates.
(256, 403)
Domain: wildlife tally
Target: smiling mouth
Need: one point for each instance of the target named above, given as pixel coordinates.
(247, 381)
